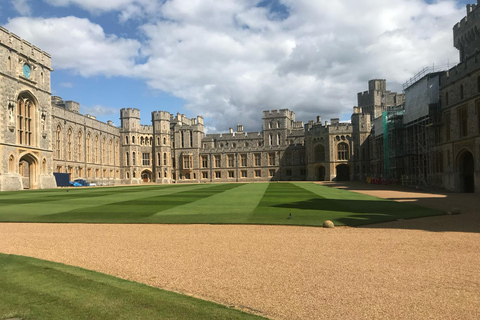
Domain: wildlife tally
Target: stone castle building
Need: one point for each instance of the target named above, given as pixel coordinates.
(428, 136)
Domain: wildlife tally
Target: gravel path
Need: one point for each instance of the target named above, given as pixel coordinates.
(411, 269)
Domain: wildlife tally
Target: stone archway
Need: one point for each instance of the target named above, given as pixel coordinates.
(28, 169)
(343, 172)
(146, 176)
(466, 170)
(320, 173)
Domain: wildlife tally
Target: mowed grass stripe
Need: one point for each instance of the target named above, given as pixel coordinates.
(139, 209)
(233, 205)
(60, 201)
(38, 289)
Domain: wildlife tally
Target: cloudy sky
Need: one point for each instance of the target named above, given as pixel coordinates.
(229, 60)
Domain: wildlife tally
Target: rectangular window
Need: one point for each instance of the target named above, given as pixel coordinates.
(146, 159)
(244, 173)
(258, 173)
(258, 161)
(186, 162)
(230, 161)
(271, 159)
(204, 175)
(231, 174)
(271, 172)
(243, 159)
(218, 174)
(204, 161)
(217, 161)
(463, 121)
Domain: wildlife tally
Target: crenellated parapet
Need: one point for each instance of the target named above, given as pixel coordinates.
(25, 49)
(278, 113)
(161, 116)
(129, 113)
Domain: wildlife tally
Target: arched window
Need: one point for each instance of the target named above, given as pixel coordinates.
(117, 154)
(165, 159)
(158, 141)
(97, 149)
(151, 140)
(142, 141)
(44, 166)
(342, 151)
(319, 153)
(9, 63)
(127, 158)
(25, 121)
(104, 151)
(79, 145)
(69, 144)
(110, 153)
(278, 139)
(133, 160)
(88, 147)
(270, 139)
(159, 160)
(126, 139)
(128, 174)
(58, 142)
(133, 139)
(164, 140)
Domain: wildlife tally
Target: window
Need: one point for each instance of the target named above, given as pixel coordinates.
(243, 159)
(146, 159)
(186, 162)
(164, 158)
(447, 126)
(463, 121)
(230, 160)
(25, 121)
(133, 142)
(127, 157)
(164, 140)
(58, 142)
(204, 175)
(244, 173)
(342, 151)
(319, 153)
(258, 173)
(271, 172)
(79, 146)
(231, 174)
(104, 151)
(217, 161)
(288, 172)
(218, 174)
(69, 145)
(258, 159)
(89, 147)
(126, 140)
(133, 160)
(271, 159)
(96, 149)
(269, 139)
(278, 139)
(204, 161)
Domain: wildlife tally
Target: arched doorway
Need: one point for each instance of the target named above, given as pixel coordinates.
(320, 173)
(27, 167)
(146, 176)
(466, 169)
(343, 172)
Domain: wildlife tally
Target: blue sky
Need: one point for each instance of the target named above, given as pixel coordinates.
(229, 60)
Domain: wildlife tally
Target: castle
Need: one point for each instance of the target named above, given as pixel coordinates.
(429, 135)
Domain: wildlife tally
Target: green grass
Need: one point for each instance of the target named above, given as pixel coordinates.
(38, 289)
(256, 203)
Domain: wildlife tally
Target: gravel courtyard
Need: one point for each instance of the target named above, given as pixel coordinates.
(409, 269)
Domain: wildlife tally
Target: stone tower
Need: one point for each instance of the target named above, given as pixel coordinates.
(465, 34)
(162, 147)
(129, 135)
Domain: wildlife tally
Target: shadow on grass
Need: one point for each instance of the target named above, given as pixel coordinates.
(360, 212)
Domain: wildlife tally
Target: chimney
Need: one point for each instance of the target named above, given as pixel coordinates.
(239, 128)
(230, 130)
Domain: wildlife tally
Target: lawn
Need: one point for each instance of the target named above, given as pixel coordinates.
(37, 289)
(255, 203)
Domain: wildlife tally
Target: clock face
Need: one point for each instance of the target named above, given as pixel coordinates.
(27, 70)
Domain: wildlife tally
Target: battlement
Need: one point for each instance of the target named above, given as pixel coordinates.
(460, 70)
(466, 21)
(129, 113)
(161, 115)
(23, 47)
(268, 114)
(146, 128)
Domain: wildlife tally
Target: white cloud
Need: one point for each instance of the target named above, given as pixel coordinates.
(66, 84)
(232, 59)
(79, 44)
(99, 110)
(22, 7)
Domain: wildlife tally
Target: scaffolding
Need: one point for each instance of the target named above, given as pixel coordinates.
(393, 143)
